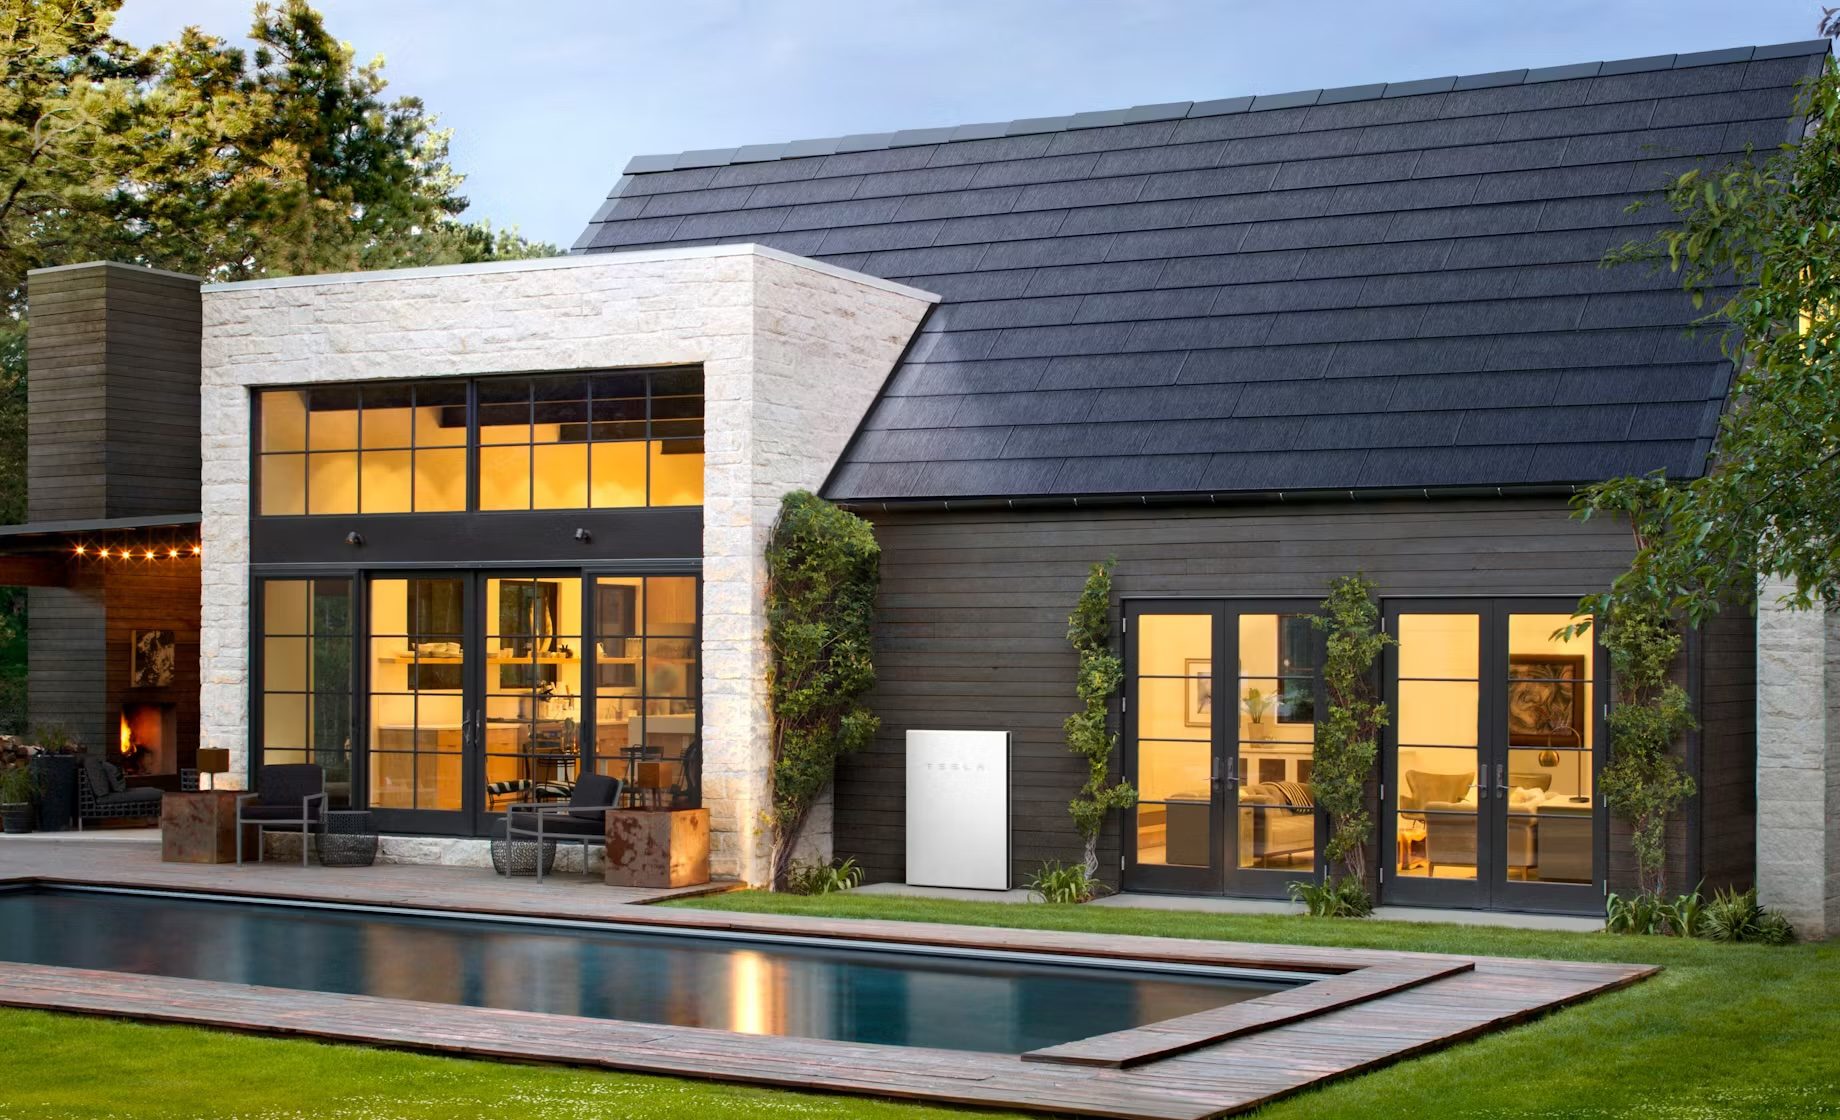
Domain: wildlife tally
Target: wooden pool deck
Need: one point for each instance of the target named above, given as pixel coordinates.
(1371, 1008)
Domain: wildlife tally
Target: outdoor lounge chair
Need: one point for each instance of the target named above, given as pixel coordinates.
(102, 795)
(583, 820)
(289, 796)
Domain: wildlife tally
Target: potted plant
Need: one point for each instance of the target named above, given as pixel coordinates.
(1257, 704)
(18, 785)
(56, 766)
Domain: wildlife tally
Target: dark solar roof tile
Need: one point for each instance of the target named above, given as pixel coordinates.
(1257, 363)
(987, 477)
(1011, 375)
(1372, 260)
(986, 228)
(958, 204)
(1167, 402)
(1149, 472)
(879, 238)
(1103, 371)
(1259, 433)
(1377, 429)
(914, 181)
(1041, 441)
(1166, 303)
(1284, 470)
(1308, 398)
(1445, 466)
(1082, 279)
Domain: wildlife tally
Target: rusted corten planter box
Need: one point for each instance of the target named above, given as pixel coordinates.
(657, 848)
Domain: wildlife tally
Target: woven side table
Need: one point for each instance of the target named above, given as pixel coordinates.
(348, 840)
(519, 857)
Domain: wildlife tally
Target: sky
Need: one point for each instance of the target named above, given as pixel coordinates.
(548, 99)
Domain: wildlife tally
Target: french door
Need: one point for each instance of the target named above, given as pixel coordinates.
(474, 695)
(1219, 715)
(1489, 783)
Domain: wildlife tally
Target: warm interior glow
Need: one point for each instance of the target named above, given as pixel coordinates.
(127, 735)
(747, 994)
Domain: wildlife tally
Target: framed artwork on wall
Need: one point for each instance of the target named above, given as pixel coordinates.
(1546, 700)
(152, 658)
(1198, 706)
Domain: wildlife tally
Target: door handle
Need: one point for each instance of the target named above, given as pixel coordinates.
(1233, 771)
(1482, 781)
(1214, 770)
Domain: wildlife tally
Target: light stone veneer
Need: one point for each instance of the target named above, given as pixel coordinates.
(1798, 762)
(793, 352)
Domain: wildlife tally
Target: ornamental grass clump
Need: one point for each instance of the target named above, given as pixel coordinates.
(823, 566)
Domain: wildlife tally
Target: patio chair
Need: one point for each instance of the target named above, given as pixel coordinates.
(583, 820)
(287, 796)
(103, 795)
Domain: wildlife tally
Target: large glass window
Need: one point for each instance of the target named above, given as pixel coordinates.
(307, 678)
(621, 439)
(417, 693)
(396, 448)
(646, 686)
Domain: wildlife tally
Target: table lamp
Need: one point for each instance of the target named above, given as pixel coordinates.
(213, 761)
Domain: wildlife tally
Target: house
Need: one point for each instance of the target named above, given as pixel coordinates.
(470, 531)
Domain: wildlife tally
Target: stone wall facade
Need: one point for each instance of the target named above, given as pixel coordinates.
(793, 353)
(1798, 762)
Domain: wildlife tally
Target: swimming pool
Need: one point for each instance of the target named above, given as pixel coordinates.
(798, 986)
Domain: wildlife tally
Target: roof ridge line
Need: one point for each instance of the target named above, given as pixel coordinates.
(1181, 110)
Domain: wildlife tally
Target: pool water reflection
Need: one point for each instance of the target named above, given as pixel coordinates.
(757, 987)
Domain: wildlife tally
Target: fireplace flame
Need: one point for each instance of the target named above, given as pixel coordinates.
(127, 735)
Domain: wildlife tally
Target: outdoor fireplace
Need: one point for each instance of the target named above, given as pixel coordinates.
(149, 739)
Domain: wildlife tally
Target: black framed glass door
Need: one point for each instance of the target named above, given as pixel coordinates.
(1219, 714)
(530, 689)
(1175, 836)
(1490, 762)
(420, 701)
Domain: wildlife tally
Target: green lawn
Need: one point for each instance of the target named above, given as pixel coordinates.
(1726, 1031)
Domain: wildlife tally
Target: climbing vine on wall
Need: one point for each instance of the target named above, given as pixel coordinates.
(1348, 735)
(1101, 674)
(823, 566)
(1643, 783)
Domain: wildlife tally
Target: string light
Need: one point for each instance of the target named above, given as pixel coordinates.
(148, 552)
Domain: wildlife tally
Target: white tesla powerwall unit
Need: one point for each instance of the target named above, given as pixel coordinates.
(958, 809)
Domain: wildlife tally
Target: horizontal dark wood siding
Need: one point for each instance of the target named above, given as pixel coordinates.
(1728, 750)
(66, 409)
(971, 631)
(67, 664)
(112, 393)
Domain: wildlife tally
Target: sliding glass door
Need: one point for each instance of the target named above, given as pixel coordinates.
(1222, 759)
(1489, 788)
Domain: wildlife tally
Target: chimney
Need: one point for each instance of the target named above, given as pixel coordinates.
(112, 392)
